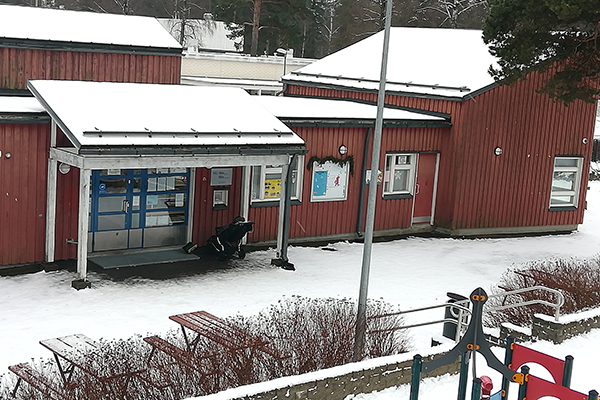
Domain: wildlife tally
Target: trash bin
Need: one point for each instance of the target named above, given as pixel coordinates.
(449, 330)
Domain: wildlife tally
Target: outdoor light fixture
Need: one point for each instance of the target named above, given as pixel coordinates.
(64, 168)
(498, 151)
(343, 149)
(7, 155)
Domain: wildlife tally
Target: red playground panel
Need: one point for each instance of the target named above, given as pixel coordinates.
(538, 387)
(522, 355)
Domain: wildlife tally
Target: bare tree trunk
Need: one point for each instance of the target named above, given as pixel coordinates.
(183, 17)
(255, 27)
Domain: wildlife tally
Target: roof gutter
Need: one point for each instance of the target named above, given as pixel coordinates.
(35, 44)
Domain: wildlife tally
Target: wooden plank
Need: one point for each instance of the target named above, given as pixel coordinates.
(25, 372)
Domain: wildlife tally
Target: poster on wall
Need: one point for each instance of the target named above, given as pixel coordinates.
(272, 188)
(329, 182)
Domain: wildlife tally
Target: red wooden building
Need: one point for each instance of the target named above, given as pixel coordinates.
(73, 46)
(461, 155)
(512, 162)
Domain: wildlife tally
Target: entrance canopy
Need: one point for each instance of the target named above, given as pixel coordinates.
(140, 126)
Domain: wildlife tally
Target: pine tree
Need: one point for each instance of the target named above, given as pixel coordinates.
(532, 35)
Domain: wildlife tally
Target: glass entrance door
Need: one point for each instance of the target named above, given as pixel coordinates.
(138, 208)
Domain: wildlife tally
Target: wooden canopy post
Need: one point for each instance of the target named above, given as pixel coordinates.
(82, 229)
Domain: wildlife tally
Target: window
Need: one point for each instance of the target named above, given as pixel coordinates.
(266, 182)
(398, 178)
(566, 181)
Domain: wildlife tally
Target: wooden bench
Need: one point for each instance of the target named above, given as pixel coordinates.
(37, 380)
(184, 357)
(219, 331)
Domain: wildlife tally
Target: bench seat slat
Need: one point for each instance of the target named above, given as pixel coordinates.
(25, 372)
(220, 331)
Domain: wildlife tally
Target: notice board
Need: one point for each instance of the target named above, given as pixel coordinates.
(329, 182)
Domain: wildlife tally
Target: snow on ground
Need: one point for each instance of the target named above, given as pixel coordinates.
(412, 272)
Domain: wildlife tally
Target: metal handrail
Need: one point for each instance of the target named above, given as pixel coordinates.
(559, 303)
(460, 305)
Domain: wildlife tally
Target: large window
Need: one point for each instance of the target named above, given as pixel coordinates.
(566, 182)
(266, 182)
(399, 175)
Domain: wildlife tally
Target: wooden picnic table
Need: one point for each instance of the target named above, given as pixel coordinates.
(71, 352)
(79, 352)
(204, 324)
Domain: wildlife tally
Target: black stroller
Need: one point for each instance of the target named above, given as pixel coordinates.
(227, 239)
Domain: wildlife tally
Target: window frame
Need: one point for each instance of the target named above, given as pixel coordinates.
(575, 193)
(265, 169)
(390, 167)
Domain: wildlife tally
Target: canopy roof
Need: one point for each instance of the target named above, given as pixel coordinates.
(20, 105)
(425, 61)
(106, 114)
(78, 27)
(290, 108)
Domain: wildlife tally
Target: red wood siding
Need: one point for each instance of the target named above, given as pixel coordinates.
(23, 192)
(513, 189)
(340, 217)
(478, 190)
(319, 218)
(19, 65)
(67, 214)
(205, 218)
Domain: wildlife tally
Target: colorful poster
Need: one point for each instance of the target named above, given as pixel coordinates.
(272, 188)
(320, 183)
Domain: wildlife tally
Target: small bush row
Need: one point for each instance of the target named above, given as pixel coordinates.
(312, 333)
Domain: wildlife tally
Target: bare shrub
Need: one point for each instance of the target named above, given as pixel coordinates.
(294, 336)
(319, 333)
(578, 281)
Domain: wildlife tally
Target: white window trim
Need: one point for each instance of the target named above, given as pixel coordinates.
(264, 169)
(578, 170)
(387, 177)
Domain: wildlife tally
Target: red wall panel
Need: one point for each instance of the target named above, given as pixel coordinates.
(513, 189)
(19, 65)
(205, 218)
(313, 219)
(23, 192)
(477, 189)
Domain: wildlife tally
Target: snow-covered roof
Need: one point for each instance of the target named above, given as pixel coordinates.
(52, 25)
(429, 61)
(134, 114)
(311, 108)
(20, 105)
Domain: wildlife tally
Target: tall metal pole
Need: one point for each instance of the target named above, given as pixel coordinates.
(361, 319)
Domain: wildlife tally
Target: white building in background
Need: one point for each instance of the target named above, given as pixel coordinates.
(211, 58)
(257, 75)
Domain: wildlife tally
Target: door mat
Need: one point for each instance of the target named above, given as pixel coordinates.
(144, 258)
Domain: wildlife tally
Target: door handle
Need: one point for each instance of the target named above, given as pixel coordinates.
(125, 206)
(417, 185)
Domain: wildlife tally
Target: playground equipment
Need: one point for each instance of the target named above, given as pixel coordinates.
(531, 387)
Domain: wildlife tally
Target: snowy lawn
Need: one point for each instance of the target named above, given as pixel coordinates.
(413, 272)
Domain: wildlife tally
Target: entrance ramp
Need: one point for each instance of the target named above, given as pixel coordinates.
(141, 258)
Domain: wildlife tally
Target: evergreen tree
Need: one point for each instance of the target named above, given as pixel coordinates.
(539, 34)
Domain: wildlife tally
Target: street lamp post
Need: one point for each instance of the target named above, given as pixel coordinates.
(361, 318)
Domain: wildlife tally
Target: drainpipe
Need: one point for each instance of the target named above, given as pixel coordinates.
(363, 185)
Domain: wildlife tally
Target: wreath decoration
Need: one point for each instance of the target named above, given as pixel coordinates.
(339, 161)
